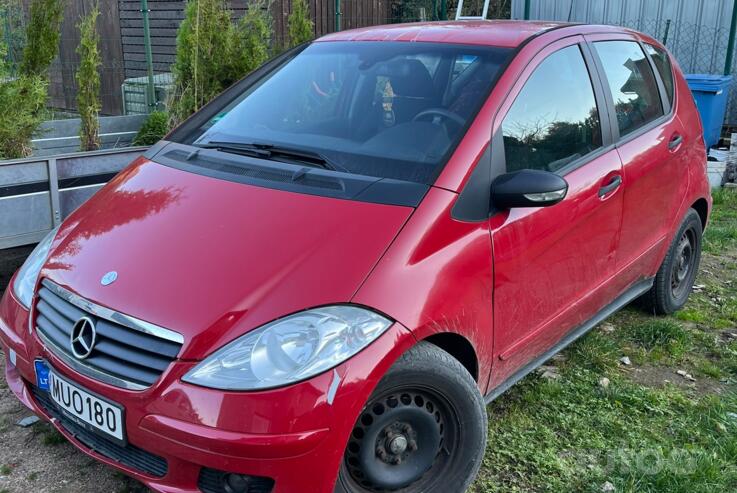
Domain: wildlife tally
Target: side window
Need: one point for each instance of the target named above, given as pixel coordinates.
(554, 119)
(662, 63)
(632, 84)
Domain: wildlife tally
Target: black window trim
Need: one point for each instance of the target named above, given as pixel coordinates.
(470, 205)
(661, 84)
(607, 136)
(665, 117)
(474, 199)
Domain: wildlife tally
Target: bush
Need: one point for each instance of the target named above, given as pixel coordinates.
(301, 27)
(251, 40)
(12, 31)
(201, 69)
(153, 130)
(213, 53)
(88, 82)
(21, 100)
(42, 36)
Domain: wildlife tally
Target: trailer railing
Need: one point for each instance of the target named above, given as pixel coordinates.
(37, 193)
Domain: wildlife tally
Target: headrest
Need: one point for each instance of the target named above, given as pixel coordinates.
(409, 78)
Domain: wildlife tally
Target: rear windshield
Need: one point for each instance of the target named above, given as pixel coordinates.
(383, 109)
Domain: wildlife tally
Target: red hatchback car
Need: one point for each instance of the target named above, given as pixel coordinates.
(317, 282)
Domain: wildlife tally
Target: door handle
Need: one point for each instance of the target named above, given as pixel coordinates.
(675, 141)
(613, 184)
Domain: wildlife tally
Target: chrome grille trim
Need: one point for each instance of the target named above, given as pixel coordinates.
(112, 315)
(127, 353)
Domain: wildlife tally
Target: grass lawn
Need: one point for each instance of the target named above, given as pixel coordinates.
(665, 423)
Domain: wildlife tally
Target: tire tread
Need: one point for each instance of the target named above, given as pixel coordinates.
(427, 359)
(657, 299)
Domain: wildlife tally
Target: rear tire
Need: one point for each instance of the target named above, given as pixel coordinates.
(677, 274)
(423, 429)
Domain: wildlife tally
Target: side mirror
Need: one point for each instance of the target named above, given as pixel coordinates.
(528, 188)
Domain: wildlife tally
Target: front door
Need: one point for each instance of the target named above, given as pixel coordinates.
(552, 265)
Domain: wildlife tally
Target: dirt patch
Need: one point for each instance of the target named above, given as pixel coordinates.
(712, 266)
(659, 377)
(36, 459)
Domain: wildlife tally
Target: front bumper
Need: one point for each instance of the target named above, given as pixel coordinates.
(292, 435)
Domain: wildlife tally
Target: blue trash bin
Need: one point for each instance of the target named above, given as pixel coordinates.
(710, 93)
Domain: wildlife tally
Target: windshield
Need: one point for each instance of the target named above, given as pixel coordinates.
(383, 109)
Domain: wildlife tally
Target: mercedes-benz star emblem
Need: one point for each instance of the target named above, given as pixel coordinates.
(109, 278)
(83, 337)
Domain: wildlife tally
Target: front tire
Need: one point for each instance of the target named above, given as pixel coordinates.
(677, 274)
(423, 429)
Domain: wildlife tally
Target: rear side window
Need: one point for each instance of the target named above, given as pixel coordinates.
(662, 63)
(554, 119)
(632, 83)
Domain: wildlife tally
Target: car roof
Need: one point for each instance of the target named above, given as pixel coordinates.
(503, 33)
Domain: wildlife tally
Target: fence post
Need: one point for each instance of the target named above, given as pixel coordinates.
(151, 90)
(527, 10)
(443, 10)
(665, 35)
(730, 46)
(337, 15)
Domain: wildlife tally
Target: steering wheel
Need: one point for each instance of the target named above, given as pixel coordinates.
(442, 112)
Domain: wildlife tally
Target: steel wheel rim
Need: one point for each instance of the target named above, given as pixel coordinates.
(370, 445)
(683, 264)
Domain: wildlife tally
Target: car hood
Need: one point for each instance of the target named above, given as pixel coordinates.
(213, 259)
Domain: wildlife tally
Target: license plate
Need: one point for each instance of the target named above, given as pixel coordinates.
(87, 409)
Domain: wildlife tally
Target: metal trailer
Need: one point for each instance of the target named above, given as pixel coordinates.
(62, 136)
(37, 193)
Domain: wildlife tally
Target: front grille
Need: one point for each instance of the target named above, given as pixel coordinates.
(128, 455)
(214, 481)
(127, 353)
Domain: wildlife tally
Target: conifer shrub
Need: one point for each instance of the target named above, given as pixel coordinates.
(88, 81)
(214, 52)
(301, 27)
(201, 68)
(42, 36)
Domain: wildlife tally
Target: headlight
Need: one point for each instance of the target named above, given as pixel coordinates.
(290, 349)
(27, 276)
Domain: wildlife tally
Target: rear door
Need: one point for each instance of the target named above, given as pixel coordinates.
(552, 265)
(650, 140)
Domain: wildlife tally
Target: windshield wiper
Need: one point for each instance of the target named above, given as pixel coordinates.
(272, 152)
(235, 148)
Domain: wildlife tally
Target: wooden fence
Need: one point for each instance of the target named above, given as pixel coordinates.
(63, 86)
(122, 47)
(166, 15)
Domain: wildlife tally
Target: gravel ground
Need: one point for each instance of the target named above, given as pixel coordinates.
(38, 459)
